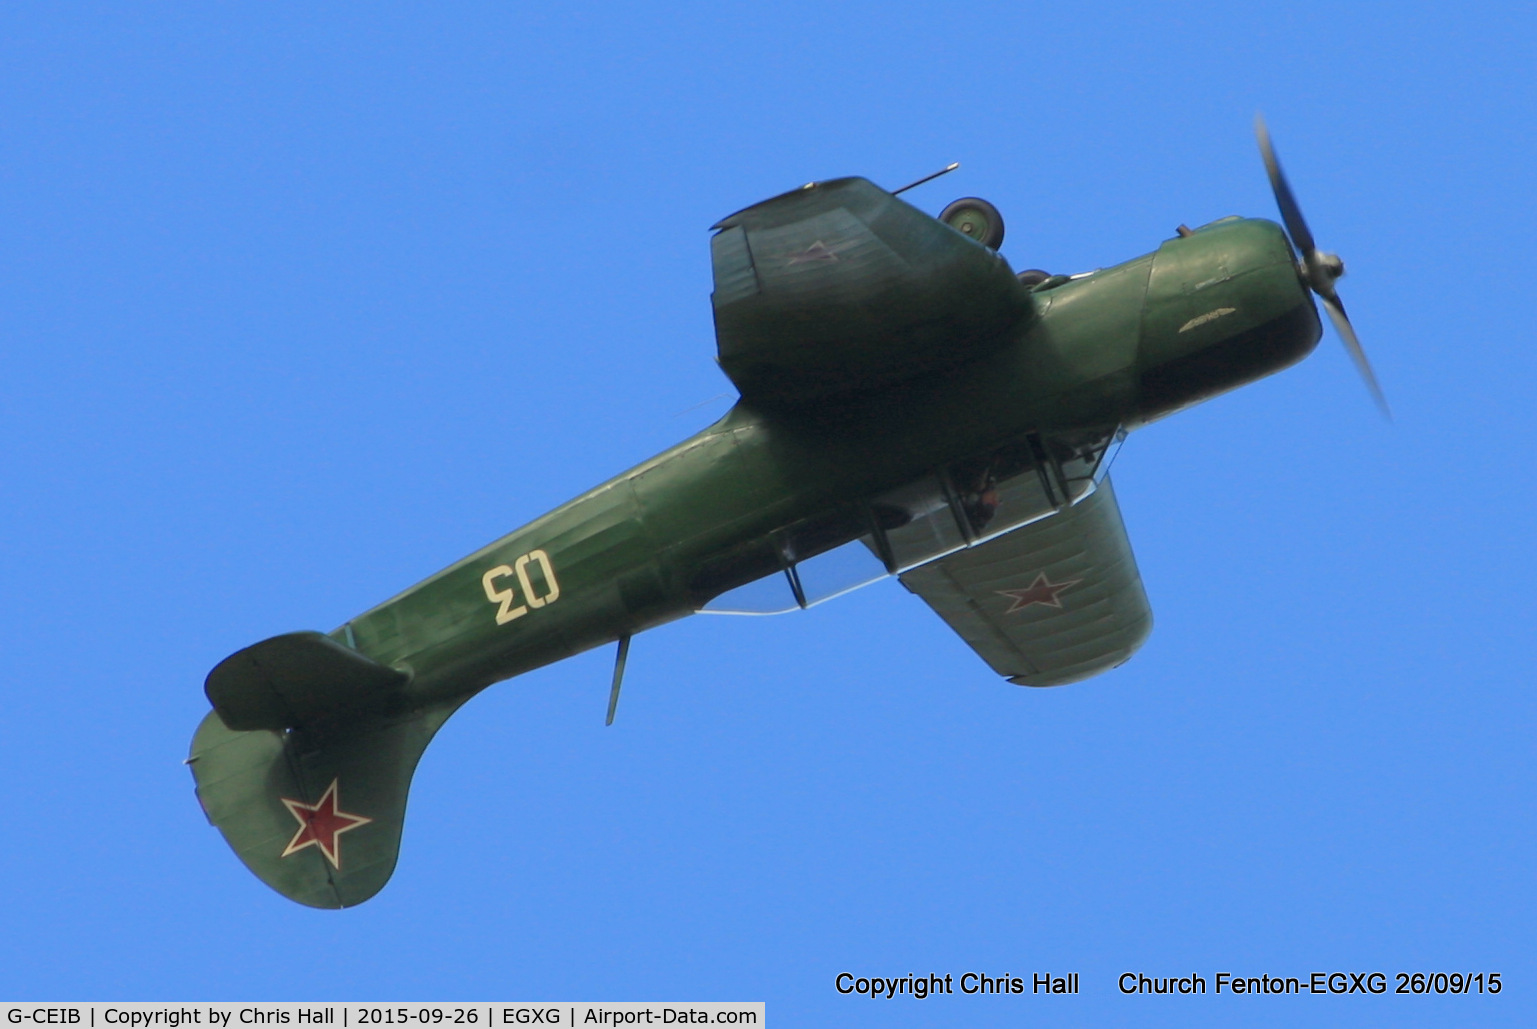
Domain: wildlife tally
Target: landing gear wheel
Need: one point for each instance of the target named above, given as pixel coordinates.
(976, 218)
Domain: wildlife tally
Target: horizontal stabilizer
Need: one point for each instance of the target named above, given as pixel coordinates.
(298, 679)
(316, 818)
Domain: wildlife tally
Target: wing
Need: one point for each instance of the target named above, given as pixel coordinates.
(1054, 602)
(841, 286)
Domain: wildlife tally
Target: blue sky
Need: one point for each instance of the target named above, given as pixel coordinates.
(300, 305)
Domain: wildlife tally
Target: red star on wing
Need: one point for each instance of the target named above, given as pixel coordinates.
(320, 824)
(816, 252)
(1042, 591)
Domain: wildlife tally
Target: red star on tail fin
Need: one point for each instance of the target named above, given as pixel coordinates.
(320, 824)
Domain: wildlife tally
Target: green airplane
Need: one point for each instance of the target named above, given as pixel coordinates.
(909, 406)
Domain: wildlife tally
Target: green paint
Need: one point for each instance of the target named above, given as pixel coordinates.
(875, 348)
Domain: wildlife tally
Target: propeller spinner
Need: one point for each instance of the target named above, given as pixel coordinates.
(1319, 269)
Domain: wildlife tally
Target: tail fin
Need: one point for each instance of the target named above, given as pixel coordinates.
(318, 820)
(314, 808)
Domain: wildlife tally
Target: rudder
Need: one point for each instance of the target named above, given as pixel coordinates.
(317, 817)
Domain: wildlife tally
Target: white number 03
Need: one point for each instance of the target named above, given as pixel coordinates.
(531, 597)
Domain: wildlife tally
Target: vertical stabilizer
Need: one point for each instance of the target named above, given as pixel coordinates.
(316, 817)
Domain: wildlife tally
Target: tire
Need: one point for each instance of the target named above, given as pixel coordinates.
(976, 219)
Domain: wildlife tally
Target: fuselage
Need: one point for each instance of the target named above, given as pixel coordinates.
(1113, 349)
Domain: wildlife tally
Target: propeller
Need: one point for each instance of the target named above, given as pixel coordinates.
(1319, 269)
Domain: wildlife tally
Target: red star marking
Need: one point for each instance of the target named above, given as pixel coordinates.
(1042, 591)
(320, 825)
(817, 251)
